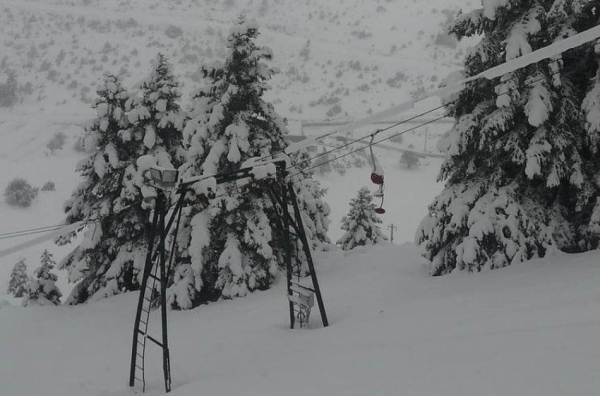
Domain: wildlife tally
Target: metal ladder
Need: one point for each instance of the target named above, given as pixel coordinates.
(142, 327)
(154, 273)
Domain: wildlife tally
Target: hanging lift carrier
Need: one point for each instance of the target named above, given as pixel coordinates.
(157, 272)
(377, 177)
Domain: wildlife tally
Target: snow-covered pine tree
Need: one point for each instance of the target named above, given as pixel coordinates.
(105, 260)
(18, 279)
(231, 248)
(520, 178)
(361, 223)
(42, 290)
(111, 256)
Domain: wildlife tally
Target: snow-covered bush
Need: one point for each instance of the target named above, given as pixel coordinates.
(20, 193)
(42, 289)
(361, 223)
(18, 279)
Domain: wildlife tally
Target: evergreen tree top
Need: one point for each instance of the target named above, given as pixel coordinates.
(244, 67)
(230, 122)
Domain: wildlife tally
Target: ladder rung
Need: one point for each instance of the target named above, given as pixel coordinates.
(139, 379)
(142, 356)
(297, 287)
(154, 277)
(154, 340)
(141, 368)
(141, 321)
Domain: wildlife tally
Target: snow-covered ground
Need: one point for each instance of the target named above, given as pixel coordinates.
(529, 329)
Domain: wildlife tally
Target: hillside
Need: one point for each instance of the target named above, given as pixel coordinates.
(356, 55)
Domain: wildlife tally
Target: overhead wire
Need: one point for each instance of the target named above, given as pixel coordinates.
(17, 233)
(375, 133)
(40, 230)
(32, 231)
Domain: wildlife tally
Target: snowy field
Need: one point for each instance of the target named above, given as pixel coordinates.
(529, 329)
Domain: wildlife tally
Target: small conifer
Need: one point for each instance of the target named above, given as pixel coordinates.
(42, 290)
(18, 279)
(361, 223)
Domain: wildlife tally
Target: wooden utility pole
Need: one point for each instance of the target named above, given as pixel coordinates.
(392, 228)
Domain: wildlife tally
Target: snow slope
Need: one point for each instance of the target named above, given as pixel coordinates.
(529, 329)
(355, 54)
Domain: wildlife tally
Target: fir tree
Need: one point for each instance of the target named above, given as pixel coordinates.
(127, 128)
(18, 279)
(42, 290)
(231, 248)
(520, 179)
(361, 223)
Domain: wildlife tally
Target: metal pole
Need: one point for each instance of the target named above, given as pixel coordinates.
(288, 250)
(392, 227)
(311, 265)
(163, 294)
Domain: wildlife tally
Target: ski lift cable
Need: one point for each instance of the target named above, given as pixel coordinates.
(547, 52)
(407, 120)
(416, 127)
(32, 231)
(492, 73)
(373, 134)
(509, 90)
(16, 233)
(49, 229)
(349, 143)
